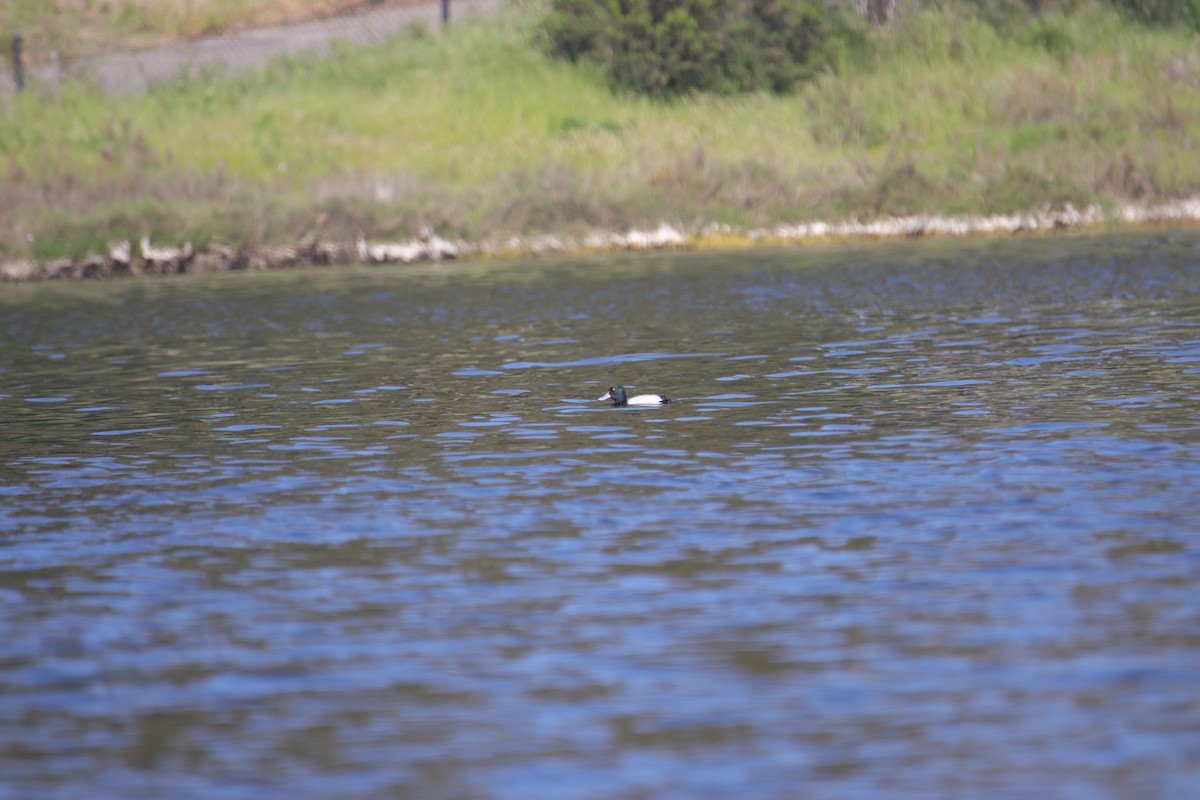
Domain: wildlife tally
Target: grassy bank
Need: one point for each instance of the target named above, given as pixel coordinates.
(478, 136)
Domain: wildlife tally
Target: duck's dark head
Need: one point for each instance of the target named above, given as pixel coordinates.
(617, 395)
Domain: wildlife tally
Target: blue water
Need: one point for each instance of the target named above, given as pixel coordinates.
(921, 524)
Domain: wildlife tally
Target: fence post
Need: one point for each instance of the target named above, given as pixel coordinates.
(17, 67)
(445, 11)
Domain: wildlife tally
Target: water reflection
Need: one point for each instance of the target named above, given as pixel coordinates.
(919, 524)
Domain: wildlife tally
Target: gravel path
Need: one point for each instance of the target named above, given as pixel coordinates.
(248, 50)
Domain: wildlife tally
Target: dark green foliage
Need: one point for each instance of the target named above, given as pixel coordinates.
(671, 47)
(1163, 12)
(1153, 12)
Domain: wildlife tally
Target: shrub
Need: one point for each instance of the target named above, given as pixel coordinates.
(669, 47)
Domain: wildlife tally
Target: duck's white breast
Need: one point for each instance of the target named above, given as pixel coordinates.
(645, 400)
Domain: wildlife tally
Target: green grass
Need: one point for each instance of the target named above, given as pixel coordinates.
(479, 135)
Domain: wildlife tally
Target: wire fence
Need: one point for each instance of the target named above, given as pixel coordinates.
(118, 72)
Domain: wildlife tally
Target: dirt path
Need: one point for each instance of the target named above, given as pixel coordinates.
(252, 49)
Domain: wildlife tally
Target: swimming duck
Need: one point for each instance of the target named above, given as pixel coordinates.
(617, 395)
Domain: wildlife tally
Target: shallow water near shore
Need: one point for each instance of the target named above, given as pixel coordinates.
(920, 523)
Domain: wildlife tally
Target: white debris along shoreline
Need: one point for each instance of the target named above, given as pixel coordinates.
(123, 258)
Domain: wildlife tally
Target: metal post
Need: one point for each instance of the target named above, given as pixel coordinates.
(445, 11)
(17, 66)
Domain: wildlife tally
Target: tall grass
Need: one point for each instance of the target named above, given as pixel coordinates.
(479, 135)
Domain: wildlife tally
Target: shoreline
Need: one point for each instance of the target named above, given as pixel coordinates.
(124, 259)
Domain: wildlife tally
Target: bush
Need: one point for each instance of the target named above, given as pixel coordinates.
(669, 47)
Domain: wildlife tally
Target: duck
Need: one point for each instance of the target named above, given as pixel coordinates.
(619, 398)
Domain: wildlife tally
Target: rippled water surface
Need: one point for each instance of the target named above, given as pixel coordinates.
(922, 523)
